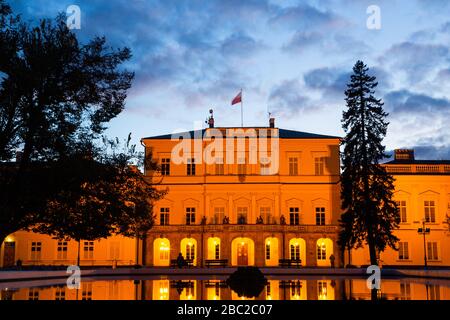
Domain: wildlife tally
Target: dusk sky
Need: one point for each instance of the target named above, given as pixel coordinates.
(293, 58)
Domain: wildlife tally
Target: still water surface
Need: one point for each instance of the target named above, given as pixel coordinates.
(216, 288)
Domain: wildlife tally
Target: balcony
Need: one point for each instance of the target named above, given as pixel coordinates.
(419, 169)
(217, 228)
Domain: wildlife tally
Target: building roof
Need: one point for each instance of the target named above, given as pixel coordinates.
(412, 161)
(283, 134)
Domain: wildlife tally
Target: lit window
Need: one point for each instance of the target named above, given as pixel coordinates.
(268, 250)
(190, 251)
(403, 251)
(164, 216)
(295, 251)
(36, 249)
(62, 250)
(293, 166)
(164, 251)
(401, 205)
(88, 249)
(321, 251)
(432, 251)
(319, 165)
(190, 216)
(165, 167)
(294, 216)
(430, 211)
(191, 167)
(322, 290)
(320, 216)
(217, 251)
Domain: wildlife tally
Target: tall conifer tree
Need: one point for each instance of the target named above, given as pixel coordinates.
(370, 215)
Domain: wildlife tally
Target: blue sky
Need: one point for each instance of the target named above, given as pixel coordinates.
(290, 57)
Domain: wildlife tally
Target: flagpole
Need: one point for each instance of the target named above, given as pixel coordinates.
(242, 113)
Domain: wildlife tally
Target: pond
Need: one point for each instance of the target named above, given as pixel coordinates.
(217, 288)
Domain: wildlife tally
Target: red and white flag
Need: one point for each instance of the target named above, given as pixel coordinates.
(237, 99)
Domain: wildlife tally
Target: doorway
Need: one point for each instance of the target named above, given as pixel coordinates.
(9, 254)
(242, 251)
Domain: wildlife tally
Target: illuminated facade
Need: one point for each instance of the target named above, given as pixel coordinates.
(233, 207)
(38, 249)
(422, 191)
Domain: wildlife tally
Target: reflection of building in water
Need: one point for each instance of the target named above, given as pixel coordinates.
(165, 289)
(400, 290)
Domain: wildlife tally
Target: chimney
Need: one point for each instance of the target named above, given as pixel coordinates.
(210, 120)
(404, 154)
(272, 123)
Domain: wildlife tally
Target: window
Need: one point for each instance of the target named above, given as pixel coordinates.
(319, 165)
(33, 294)
(267, 251)
(264, 166)
(36, 248)
(320, 216)
(165, 167)
(294, 217)
(321, 251)
(430, 214)
(405, 291)
(242, 215)
(322, 289)
(403, 251)
(217, 251)
(164, 251)
(87, 291)
(402, 211)
(190, 216)
(435, 291)
(60, 293)
(62, 250)
(219, 167)
(190, 251)
(219, 213)
(191, 167)
(88, 249)
(265, 214)
(164, 216)
(293, 166)
(295, 251)
(296, 289)
(432, 251)
(241, 166)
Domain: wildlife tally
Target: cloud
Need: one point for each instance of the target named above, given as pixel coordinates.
(241, 45)
(406, 102)
(307, 17)
(285, 98)
(417, 61)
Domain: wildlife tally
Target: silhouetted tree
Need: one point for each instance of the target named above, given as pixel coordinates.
(370, 215)
(56, 95)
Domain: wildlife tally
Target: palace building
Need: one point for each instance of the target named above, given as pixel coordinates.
(259, 196)
(251, 196)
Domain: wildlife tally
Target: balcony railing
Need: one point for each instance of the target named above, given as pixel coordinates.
(246, 227)
(419, 168)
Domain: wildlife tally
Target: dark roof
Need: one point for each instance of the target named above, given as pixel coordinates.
(418, 162)
(283, 134)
